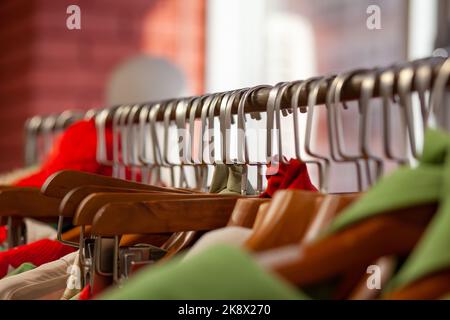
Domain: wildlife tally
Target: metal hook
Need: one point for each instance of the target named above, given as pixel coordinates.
(202, 135)
(116, 142)
(31, 128)
(404, 84)
(295, 99)
(100, 125)
(439, 88)
(242, 145)
(211, 134)
(337, 149)
(167, 114)
(270, 113)
(367, 89)
(422, 82)
(387, 79)
(312, 99)
(122, 126)
(48, 128)
(226, 122)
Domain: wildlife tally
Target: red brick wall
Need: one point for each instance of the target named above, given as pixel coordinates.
(44, 67)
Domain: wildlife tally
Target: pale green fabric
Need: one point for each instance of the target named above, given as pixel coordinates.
(220, 272)
(432, 253)
(428, 183)
(227, 179)
(22, 268)
(404, 188)
(219, 179)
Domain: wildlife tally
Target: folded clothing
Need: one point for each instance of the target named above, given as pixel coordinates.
(39, 283)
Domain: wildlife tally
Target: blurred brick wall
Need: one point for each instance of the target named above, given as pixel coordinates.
(45, 68)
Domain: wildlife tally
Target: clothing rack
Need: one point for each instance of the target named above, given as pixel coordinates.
(351, 90)
(300, 212)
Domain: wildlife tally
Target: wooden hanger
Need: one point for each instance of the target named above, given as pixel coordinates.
(73, 198)
(245, 211)
(260, 215)
(94, 202)
(62, 182)
(286, 220)
(432, 287)
(330, 207)
(360, 290)
(27, 202)
(163, 216)
(394, 233)
(178, 242)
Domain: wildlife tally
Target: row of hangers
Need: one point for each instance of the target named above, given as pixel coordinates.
(107, 208)
(194, 120)
(40, 132)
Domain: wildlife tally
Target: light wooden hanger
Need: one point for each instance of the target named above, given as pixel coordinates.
(261, 214)
(245, 211)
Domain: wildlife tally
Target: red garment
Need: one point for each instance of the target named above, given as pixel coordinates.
(3, 234)
(85, 294)
(75, 149)
(293, 175)
(37, 253)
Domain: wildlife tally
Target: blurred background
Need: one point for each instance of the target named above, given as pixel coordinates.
(124, 48)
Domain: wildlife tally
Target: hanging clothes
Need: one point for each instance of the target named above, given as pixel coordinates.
(291, 175)
(197, 278)
(37, 253)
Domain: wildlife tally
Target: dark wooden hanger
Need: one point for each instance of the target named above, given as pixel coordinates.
(73, 198)
(94, 202)
(62, 182)
(27, 202)
(178, 242)
(163, 216)
(360, 291)
(432, 287)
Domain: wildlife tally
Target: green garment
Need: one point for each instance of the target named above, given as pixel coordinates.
(404, 188)
(220, 272)
(227, 179)
(22, 268)
(429, 182)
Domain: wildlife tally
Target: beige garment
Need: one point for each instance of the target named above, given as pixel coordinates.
(8, 178)
(74, 280)
(37, 230)
(234, 235)
(39, 282)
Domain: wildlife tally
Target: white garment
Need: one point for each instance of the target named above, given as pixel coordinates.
(235, 236)
(37, 230)
(39, 282)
